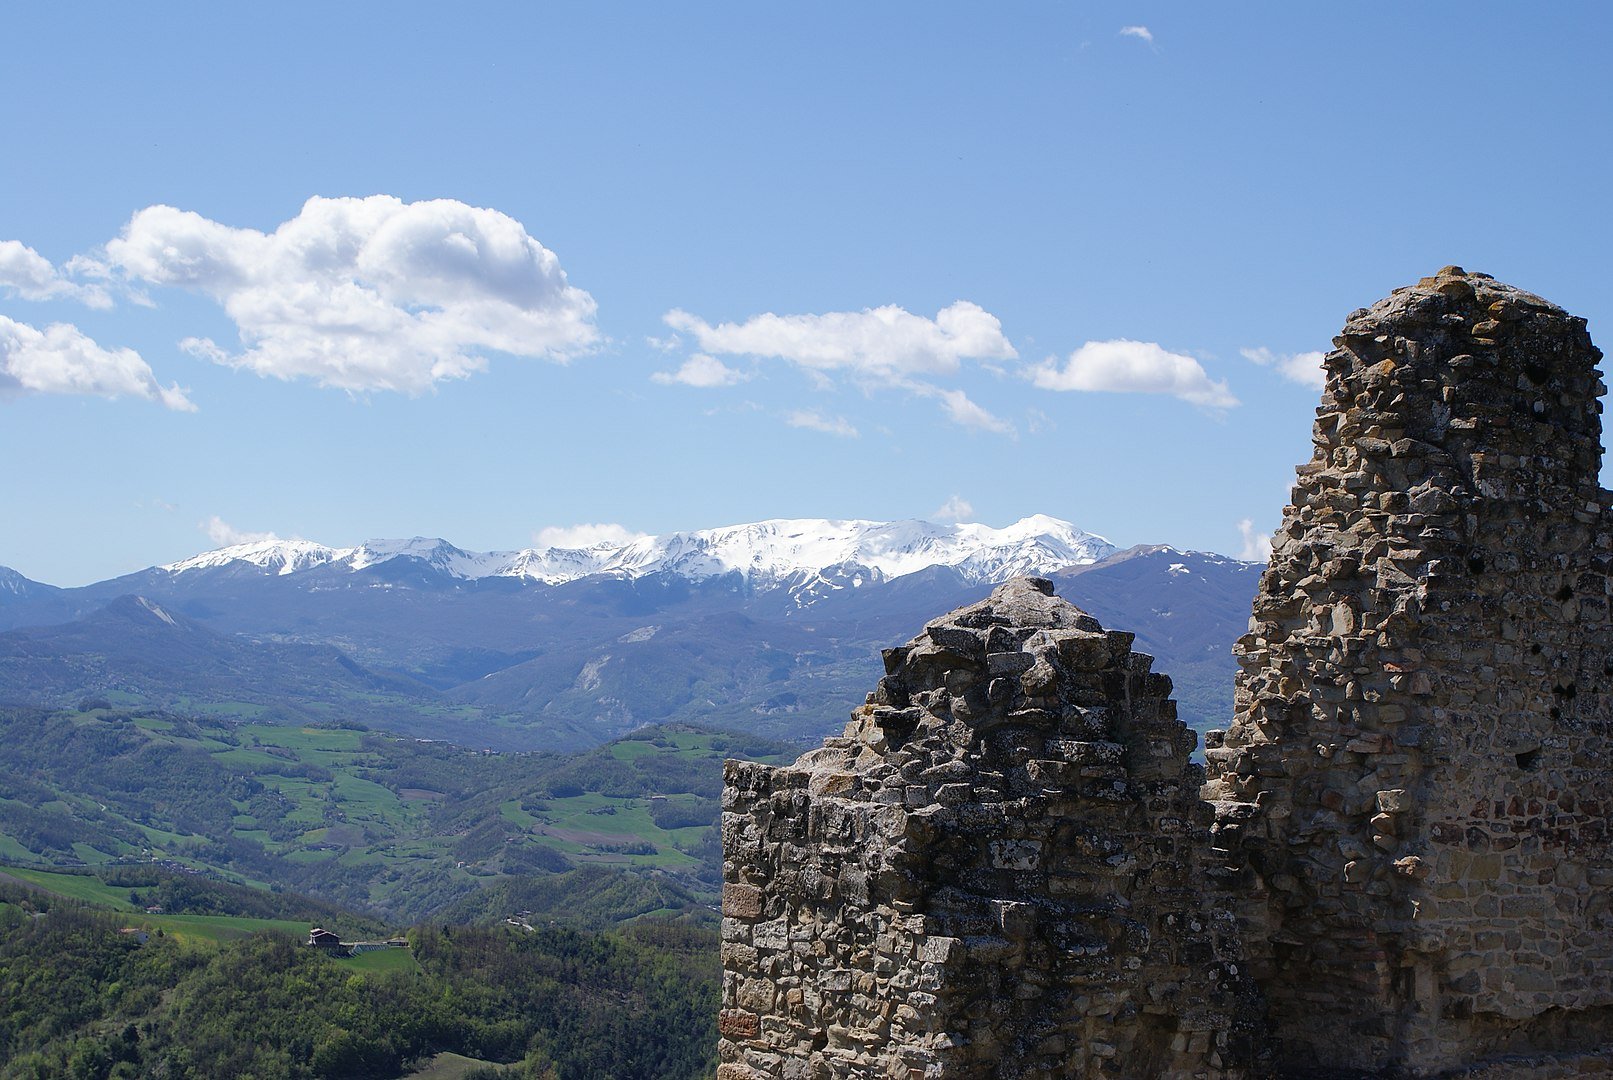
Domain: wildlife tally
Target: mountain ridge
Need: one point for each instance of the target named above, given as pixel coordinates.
(732, 627)
(762, 552)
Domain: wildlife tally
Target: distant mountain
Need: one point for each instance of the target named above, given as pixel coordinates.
(22, 600)
(1186, 608)
(135, 649)
(772, 627)
(14, 585)
(781, 553)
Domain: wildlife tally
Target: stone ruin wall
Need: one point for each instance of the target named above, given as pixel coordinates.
(1417, 777)
(994, 873)
(1401, 862)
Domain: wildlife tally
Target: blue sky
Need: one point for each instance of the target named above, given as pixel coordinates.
(659, 267)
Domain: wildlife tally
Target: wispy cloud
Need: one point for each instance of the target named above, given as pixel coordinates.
(575, 537)
(1256, 546)
(224, 534)
(1304, 368)
(962, 411)
(702, 371)
(366, 294)
(956, 508)
(1142, 33)
(61, 359)
(1135, 367)
(813, 420)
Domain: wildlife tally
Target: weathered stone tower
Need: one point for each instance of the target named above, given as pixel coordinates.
(1419, 773)
(995, 873)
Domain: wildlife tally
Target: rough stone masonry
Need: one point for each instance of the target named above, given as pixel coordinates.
(1401, 862)
(1419, 771)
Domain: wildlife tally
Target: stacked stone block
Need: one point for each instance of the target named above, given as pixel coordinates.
(996, 872)
(1413, 796)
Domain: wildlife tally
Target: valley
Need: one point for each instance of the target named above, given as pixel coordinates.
(523, 773)
(390, 825)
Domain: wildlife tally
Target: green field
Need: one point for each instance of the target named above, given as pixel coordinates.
(352, 815)
(448, 1067)
(219, 927)
(93, 891)
(75, 886)
(382, 960)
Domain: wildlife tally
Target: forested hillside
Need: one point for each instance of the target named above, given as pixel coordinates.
(81, 999)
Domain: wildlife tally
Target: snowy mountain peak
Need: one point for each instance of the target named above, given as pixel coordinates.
(15, 584)
(275, 556)
(436, 553)
(774, 553)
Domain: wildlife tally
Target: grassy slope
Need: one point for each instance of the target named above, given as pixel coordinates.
(396, 824)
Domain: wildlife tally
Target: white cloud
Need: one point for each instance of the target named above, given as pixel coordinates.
(885, 344)
(964, 412)
(1256, 546)
(367, 294)
(1140, 32)
(813, 420)
(61, 359)
(956, 508)
(1304, 368)
(574, 537)
(224, 534)
(702, 371)
(1135, 367)
(877, 348)
(30, 275)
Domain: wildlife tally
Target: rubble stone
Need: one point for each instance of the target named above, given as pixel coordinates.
(1048, 919)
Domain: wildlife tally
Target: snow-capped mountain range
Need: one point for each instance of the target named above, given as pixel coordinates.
(764, 553)
(773, 627)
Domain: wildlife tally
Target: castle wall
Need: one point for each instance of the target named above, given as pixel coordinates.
(995, 873)
(1417, 778)
(1399, 862)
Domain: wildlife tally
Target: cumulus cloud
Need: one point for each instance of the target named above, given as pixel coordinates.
(1304, 368)
(1256, 546)
(224, 534)
(882, 344)
(1135, 367)
(575, 537)
(702, 371)
(26, 273)
(1140, 32)
(366, 293)
(813, 420)
(61, 359)
(876, 348)
(956, 508)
